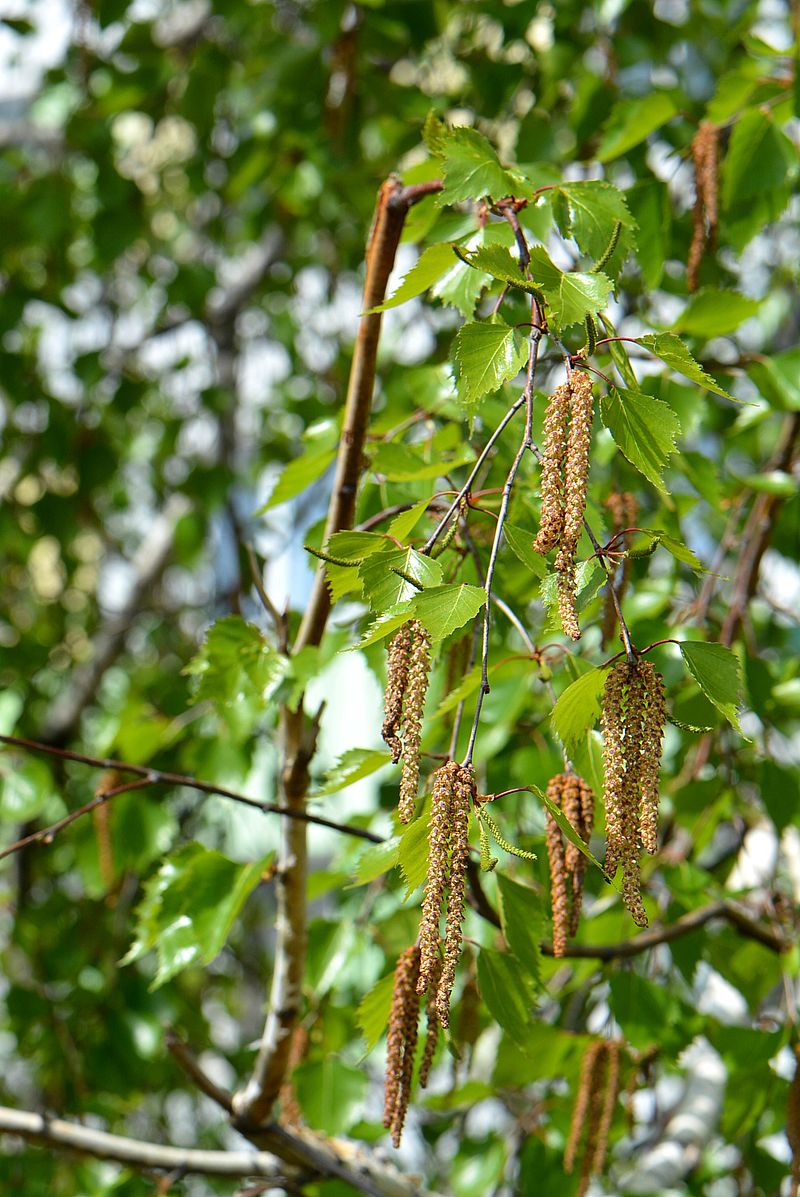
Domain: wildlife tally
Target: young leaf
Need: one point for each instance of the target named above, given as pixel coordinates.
(375, 860)
(505, 989)
(411, 463)
(351, 766)
(578, 708)
(237, 670)
(471, 168)
(189, 907)
(570, 297)
(672, 350)
(644, 429)
(444, 609)
(520, 541)
(713, 313)
(760, 157)
(677, 548)
(632, 121)
(433, 262)
(383, 626)
(331, 1093)
(298, 475)
(619, 355)
(372, 1014)
(413, 852)
(718, 674)
(498, 261)
(462, 285)
(522, 920)
(589, 212)
(404, 524)
(485, 356)
(384, 588)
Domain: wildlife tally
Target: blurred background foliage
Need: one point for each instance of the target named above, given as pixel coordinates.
(185, 191)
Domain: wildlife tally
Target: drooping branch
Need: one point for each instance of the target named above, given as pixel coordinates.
(162, 778)
(254, 1102)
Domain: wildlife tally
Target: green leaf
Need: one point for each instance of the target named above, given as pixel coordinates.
(632, 121)
(681, 552)
(778, 379)
(404, 524)
(578, 708)
(499, 262)
(348, 769)
(468, 685)
(505, 988)
(444, 609)
(644, 429)
(570, 297)
(717, 672)
(650, 204)
(471, 168)
(672, 350)
(383, 588)
(714, 313)
(349, 546)
(298, 475)
(237, 670)
(522, 921)
(760, 158)
(189, 907)
(331, 1094)
(486, 355)
(520, 541)
(383, 626)
(26, 788)
(413, 852)
(589, 213)
(433, 262)
(412, 463)
(375, 860)
(619, 355)
(590, 577)
(461, 286)
(372, 1014)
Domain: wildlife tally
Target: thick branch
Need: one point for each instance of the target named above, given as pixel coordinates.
(55, 1132)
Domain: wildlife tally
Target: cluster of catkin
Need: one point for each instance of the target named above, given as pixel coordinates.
(633, 720)
(408, 667)
(623, 510)
(567, 863)
(593, 1111)
(402, 1042)
(705, 215)
(565, 474)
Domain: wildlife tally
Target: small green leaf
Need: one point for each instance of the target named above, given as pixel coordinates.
(644, 429)
(331, 1094)
(498, 261)
(714, 313)
(237, 671)
(650, 204)
(680, 551)
(760, 158)
(404, 524)
(717, 672)
(189, 907)
(589, 214)
(632, 121)
(26, 788)
(572, 296)
(413, 463)
(578, 708)
(444, 609)
(520, 541)
(471, 168)
(672, 350)
(522, 920)
(468, 685)
(433, 262)
(486, 355)
(298, 475)
(413, 852)
(372, 1014)
(384, 588)
(506, 990)
(348, 769)
(461, 286)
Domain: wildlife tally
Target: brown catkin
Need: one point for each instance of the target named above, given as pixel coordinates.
(653, 733)
(439, 835)
(433, 1024)
(419, 664)
(396, 681)
(582, 1103)
(613, 764)
(576, 464)
(609, 1101)
(705, 214)
(462, 798)
(402, 1042)
(558, 883)
(551, 524)
(567, 588)
(593, 1111)
(793, 1123)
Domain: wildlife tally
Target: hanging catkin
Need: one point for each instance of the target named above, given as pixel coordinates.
(705, 215)
(433, 1024)
(402, 1042)
(574, 797)
(565, 474)
(408, 668)
(593, 1112)
(396, 682)
(633, 718)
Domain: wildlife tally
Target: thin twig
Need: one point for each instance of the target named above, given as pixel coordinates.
(184, 1057)
(278, 620)
(159, 777)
